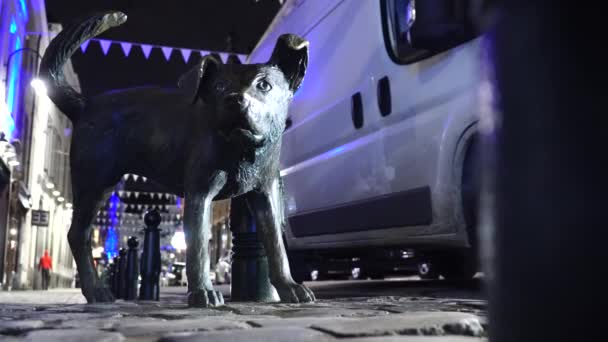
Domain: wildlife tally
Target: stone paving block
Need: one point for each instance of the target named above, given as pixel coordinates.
(414, 323)
(254, 308)
(186, 313)
(134, 327)
(331, 312)
(73, 335)
(13, 327)
(301, 322)
(291, 334)
(91, 323)
(49, 317)
(414, 339)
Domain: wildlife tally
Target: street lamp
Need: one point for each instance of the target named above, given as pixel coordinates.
(178, 241)
(36, 53)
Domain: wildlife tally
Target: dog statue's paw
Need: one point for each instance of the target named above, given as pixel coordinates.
(203, 298)
(291, 292)
(103, 295)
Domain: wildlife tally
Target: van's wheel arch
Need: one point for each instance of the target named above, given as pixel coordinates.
(470, 188)
(465, 263)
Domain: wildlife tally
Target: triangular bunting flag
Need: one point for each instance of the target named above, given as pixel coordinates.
(136, 177)
(128, 193)
(242, 58)
(126, 48)
(167, 52)
(136, 193)
(144, 179)
(224, 56)
(146, 50)
(84, 46)
(105, 45)
(203, 53)
(186, 54)
(126, 177)
(139, 206)
(121, 193)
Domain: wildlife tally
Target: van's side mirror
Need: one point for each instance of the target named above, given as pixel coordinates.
(434, 24)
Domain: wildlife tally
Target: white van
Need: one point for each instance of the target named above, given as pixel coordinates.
(379, 152)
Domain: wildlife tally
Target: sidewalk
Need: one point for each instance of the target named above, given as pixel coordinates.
(62, 315)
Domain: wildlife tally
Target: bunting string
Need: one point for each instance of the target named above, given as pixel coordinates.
(146, 49)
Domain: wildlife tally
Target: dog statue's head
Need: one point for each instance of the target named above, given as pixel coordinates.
(250, 101)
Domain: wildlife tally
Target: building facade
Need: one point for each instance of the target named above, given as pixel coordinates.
(35, 202)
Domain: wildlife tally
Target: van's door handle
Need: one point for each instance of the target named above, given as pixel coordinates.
(288, 123)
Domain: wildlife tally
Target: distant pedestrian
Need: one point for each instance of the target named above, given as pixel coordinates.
(45, 266)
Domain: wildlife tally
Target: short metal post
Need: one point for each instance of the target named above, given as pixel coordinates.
(132, 279)
(122, 274)
(150, 267)
(250, 280)
(112, 277)
(116, 277)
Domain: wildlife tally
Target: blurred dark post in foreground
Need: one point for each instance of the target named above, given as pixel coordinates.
(551, 235)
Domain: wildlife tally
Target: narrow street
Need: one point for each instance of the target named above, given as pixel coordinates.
(404, 309)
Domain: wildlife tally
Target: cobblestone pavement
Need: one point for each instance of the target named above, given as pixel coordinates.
(62, 315)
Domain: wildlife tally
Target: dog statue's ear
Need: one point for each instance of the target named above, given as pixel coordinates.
(192, 80)
(290, 54)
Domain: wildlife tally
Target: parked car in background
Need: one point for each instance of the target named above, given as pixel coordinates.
(380, 150)
(178, 273)
(223, 271)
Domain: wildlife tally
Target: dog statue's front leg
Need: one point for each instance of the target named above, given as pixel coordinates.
(197, 227)
(268, 210)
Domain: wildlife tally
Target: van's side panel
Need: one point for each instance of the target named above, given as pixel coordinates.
(338, 178)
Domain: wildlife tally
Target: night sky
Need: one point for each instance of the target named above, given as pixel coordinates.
(202, 24)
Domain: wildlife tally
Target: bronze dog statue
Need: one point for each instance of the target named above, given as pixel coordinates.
(216, 136)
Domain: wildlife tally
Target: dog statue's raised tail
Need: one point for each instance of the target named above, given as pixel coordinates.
(59, 51)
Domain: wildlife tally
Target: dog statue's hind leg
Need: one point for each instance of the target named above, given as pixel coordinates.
(86, 204)
(197, 228)
(267, 207)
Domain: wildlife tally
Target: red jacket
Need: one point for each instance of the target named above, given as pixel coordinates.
(45, 262)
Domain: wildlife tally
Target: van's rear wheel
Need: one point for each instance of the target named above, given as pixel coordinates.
(462, 267)
(300, 269)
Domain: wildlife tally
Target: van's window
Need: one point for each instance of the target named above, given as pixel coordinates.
(414, 30)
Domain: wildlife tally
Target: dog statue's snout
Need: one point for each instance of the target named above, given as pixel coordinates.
(236, 100)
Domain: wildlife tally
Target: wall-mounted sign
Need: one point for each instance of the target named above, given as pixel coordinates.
(40, 218)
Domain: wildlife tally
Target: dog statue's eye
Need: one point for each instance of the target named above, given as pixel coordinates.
(220, 86)
(264, 86)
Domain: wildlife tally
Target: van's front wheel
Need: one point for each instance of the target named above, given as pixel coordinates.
(428, 270)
